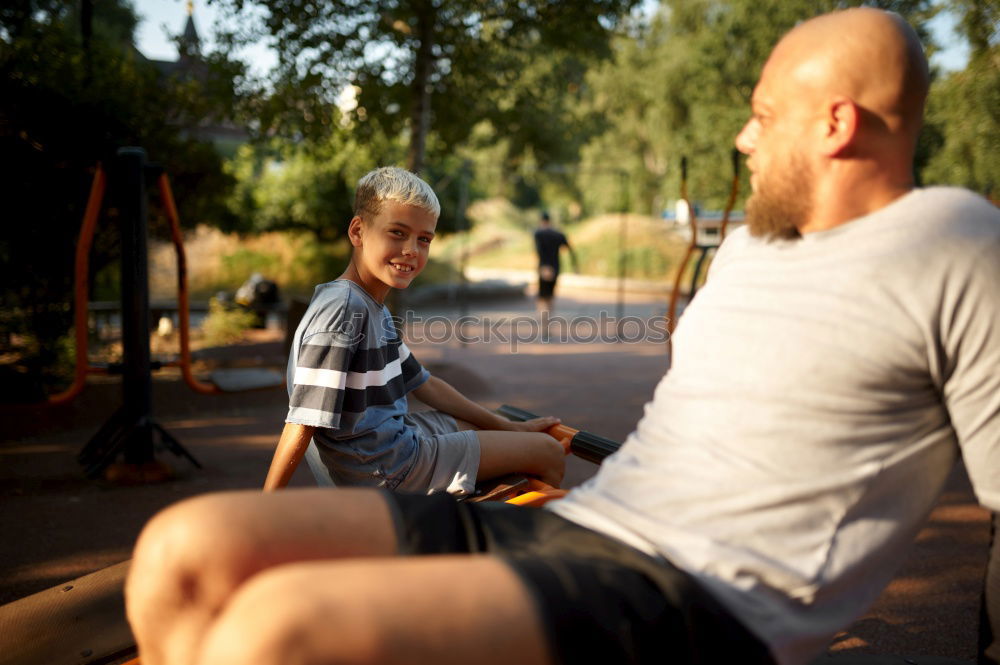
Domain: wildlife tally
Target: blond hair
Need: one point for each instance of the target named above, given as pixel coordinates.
(391, 183)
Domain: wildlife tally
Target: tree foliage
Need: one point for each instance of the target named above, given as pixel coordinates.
(288, 187)
(962, 137)
(73, 91)
(426, 68)
(681, 86)
(308, 186)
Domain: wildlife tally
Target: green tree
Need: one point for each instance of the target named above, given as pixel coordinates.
(72, 90)
(681, 85)
(308, 186)
(428, 68)
(962, 136)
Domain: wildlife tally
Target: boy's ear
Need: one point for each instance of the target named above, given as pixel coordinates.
(355, 230)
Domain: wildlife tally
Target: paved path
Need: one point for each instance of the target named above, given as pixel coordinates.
(57, 525)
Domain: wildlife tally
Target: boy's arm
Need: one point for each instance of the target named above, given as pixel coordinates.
(439, 394)
(291, 447)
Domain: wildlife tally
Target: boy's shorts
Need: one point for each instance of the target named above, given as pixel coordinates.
(599, 600)
(447, 460)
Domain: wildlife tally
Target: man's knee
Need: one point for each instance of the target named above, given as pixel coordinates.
(280, 616)
(187, 554)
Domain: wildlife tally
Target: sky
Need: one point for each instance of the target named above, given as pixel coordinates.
(163, 17)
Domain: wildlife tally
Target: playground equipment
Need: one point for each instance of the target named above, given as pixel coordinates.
(700, 242)
(524, 491)
(130, 430)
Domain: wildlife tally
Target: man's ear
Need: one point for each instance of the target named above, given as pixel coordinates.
(840, 125)
(355, 230)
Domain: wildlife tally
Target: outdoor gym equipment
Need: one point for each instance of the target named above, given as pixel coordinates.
(699, 243)
(83, 621)
(130, 429)
(232, 380)
(524, 491)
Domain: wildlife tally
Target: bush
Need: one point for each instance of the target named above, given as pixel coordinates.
(225, 325)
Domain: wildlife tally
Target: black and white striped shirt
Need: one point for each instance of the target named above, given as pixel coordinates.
(348, 376)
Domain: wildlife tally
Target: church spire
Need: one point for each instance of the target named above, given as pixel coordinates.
(190, 42)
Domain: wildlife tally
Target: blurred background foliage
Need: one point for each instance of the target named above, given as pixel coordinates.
(579, 108)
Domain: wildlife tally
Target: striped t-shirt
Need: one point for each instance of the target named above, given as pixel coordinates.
(348, 376)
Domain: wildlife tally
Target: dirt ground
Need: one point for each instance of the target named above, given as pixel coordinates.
(58, 525)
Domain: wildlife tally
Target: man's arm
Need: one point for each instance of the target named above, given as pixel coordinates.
(439, 394)
(291, 447)
(572, 254)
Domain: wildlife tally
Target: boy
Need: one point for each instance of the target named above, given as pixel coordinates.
(349, 373)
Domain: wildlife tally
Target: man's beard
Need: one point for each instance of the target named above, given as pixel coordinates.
(782, 204)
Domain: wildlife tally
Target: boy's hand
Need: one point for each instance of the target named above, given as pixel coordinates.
(533, 425)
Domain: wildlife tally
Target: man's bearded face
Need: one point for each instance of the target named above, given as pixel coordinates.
(782, 200)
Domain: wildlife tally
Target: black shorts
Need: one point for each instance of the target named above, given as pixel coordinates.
(600, 600)
(546, 287)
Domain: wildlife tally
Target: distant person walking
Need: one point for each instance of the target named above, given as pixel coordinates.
(548, 242)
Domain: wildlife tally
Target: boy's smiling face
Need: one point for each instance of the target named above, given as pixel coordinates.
(390, 248)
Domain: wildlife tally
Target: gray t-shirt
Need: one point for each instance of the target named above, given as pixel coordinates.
(819, 394)
(348, 376)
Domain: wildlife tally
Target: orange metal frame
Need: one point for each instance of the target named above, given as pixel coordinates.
(81, 291)
(675, 294)
(693, 245)
(183, 301)
(82, 288)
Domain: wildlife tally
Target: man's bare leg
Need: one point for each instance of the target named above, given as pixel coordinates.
(193, 556)
(454, 609)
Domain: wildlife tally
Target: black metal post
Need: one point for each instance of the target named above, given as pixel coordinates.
(137, 383)
(130, 430)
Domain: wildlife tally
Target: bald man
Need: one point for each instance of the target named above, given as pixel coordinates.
(842, 354)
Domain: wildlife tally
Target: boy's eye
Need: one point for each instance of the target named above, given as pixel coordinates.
(397, 233)
(425, 240)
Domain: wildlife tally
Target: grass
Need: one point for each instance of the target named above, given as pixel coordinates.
(222, 262)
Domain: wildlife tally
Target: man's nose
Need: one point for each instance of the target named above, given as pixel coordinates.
(747, 138)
